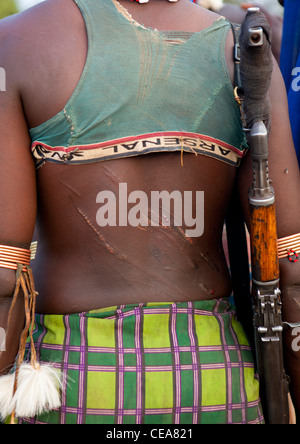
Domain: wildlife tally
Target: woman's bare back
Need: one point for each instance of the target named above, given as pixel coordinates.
(80, 265)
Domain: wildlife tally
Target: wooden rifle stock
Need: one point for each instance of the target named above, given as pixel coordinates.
(263, 233)
(265, 277)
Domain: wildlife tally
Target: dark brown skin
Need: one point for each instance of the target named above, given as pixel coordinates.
(81, 266)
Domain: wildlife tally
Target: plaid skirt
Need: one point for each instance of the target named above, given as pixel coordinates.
(155, 363)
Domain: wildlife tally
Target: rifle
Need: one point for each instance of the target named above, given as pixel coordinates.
(255, 54)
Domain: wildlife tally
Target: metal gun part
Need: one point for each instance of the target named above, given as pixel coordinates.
(261, 193)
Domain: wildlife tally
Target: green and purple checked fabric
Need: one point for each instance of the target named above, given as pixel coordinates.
(157, 363)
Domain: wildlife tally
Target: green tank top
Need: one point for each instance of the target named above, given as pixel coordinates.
(143, 91)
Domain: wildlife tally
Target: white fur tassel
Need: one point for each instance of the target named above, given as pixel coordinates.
(38, 391)
(215, 5)
(6, 395)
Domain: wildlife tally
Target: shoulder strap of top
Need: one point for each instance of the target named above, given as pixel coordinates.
(236, 55)
(238, 88)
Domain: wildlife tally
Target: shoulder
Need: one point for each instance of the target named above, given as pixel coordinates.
(203, 18)
(38, 49)
(197, 16)
(26, 36)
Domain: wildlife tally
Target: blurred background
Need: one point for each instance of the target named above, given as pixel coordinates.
(272, 6)
(8, 7)
(23, 4)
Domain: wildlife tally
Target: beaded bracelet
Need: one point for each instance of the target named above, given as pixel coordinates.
(289, 247)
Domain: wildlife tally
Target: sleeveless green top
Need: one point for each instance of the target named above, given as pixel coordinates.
(144, 91)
